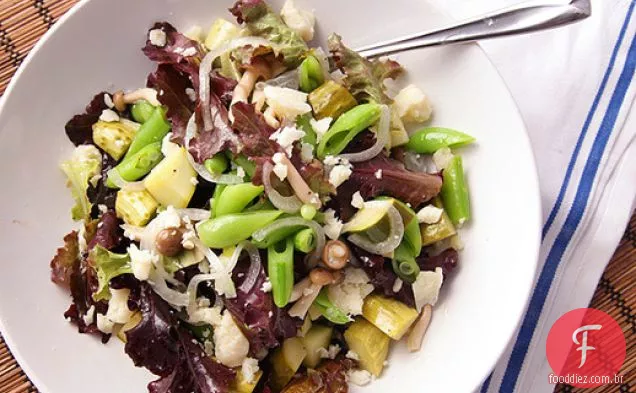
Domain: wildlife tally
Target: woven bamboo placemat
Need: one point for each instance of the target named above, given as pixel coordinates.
(23, 22)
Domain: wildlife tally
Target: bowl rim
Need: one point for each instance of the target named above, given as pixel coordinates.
(537, 216)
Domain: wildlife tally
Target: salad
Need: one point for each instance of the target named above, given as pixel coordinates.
(257, 218)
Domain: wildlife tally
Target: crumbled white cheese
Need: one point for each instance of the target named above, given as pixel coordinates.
(349, 295)
(286, 137)
(167, 146)
(231, 346)
(280, 169)
(157, 37)
(429, 214)
(352, 355)
(249, 369)
(203, 302)
(442, 158)
(104, 324)
(118, 310)
(208, 347)
(240, 172)
(89, 317)
(108, 101)
(192, 95)
(412, 105)
(108, 115)
(267, 286)
(333, 226)
(320, 126)
(359, 377)
(306, 152)
(168, 218)
(378, 174)
(339, 174)
(191, 51)
(194, 181)
(188, 238)
(102, 208)
(426, 288)
(81, 239)
(178, 50)
(209, 315)
(285, 102)
(301, 21)
(141, 262)
(330, 353)
(331, 160)
(397, 285)
(357, 201)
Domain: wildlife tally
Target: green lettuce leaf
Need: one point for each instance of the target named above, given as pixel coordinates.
(82, 167)
(364, 78)
(108, 265)
(261, 21)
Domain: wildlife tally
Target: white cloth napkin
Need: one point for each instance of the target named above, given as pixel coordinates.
(575, 90)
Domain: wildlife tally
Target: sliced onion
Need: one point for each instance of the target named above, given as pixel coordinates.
(290, 204)
(148, 238)
(115, 177)
(133, 231)
(254, 270)
(419, 162)
(194, 214)
(158, 282)
(222, 273)
(301, 307)
(194, 284)
(381, 139)
(191, 131)
(289, 79)
(206, 67)
(387, 245)
(261, 234)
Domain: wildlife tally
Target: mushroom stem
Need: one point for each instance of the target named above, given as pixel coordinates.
(145, 93)
(302, 190)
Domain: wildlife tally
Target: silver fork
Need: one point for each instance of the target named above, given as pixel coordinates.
(523, 18)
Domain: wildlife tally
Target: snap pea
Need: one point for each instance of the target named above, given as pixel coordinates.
(153, 130)
(139, 164)
(404, 264)
(232, 229)
(347, 127)
(277, 235)
(141, 111)
(217, 164)
(218, 190)
(235, 198)
(308, 212)
(329, 310)
(305, 240)
(310, 74)
(304, 123)
(455, 191)
(430, 139)
(248, 166)
(280, 269)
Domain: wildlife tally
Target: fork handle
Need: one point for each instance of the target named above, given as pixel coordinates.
(523, 18)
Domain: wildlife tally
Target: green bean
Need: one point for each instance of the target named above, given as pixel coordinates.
(231, 229)
(347, 127)
(455, 192)
(430, 139)
(153, 130)
(304, 123)
(329, 310)
(141, 111)
(280, 269)
(277, 235)
(310, 73)
(235, 198)
(404, 264)
(308, 212)
(305, 240)
(139, 164)
(217, 164)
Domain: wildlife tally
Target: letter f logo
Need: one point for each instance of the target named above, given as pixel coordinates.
(584, 347)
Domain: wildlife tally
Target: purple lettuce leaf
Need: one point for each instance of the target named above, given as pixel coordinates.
(447, 260)
(100, 194)
(108, 234)
(253, 131)
(79, 129)
(64, 260)
(220, 138)
(223, 87)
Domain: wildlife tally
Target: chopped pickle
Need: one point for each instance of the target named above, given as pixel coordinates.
(286, 361)
(113, 137)
(370, 344)
(317, 337)
(444, 228)
(135, 207)
(394, 318)
(331, 100)
(241, 385)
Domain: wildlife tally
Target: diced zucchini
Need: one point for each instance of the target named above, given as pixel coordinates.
(132, 322)
(171, 181)
(221, 32)
(135, 207)
(331, 100)
(317, 337)
(241, 385)
(368, 216)
(370, 344)
(113, 137)
(392, 317)
(444, 228)
(286, 361)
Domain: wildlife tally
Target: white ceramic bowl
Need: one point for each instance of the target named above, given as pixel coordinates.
(97, 46)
